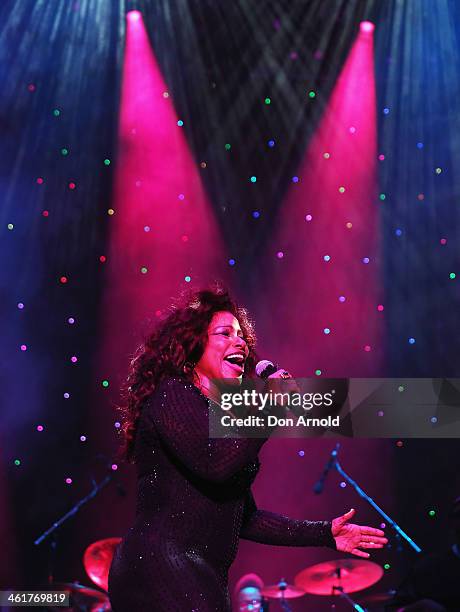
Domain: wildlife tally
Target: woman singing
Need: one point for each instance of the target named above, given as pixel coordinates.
(194, 493)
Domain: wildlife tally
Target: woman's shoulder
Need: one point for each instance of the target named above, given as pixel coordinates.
(176, 389)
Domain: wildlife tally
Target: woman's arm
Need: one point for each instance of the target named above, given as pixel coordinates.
(270, 528)
(179, 414)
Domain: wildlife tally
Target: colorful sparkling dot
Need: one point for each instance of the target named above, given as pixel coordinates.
(443, 241)
(420, 145)
(318, 372)
(301, 453)
(434, 419)
(411, 340)
(165, 94)
(66, 395)
(31, 87)
(398, 232)
(267, 101)
(63, 279)
(105, 383)
(256, 214)
(280, 254)
(17, 462)
(349, 225)
(72, 185)
(452, 275)
(107, 162)
(381, 157)
(45, 213)
(68, 481)
(82, 438)
(342, 298)
(311, 94)
(342, 189)
(438, 170)
(117, 425)
(40, 181)
(114, 467)
(40, 427)
(203, 164)
(380, 308)
(326, 155)
(71, 320)
(421, 197)
(327, 258)
(382, 196)
(326, 330)
(386, 111)
(181, 196)
(343, 484)
(399, 443)
(382, 525)
(20, 305)
(74, 359)
(144, 270)
(295, 179)
(271, 143)
(231, 262)
(228, 146)
(352, 129)
(56, 112)
(180, 123)
(102, 258)
(64, 151)
(401, 388)
(253, 179)
(110, 212)
(23, 347)
(188, 279)
(387, 566)
(308, 217)
(367, 348)
(10, 226)
(366, 260)
(184, 238)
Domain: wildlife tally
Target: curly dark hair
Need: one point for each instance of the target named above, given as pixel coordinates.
(174, 347)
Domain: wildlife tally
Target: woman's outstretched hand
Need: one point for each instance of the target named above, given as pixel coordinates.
(350, 537)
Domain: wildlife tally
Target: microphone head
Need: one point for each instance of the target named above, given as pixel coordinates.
(265, 368)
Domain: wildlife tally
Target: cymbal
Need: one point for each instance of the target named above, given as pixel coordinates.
(350, 575)
(273, 591)
(97, 560)
(81, 595)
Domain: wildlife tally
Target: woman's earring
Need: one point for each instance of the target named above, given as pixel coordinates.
(188, 367)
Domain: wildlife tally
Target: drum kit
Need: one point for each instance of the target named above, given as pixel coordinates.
(336, 578)
(96, 560)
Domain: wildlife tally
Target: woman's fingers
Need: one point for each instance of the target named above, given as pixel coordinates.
(360, 553)
(372, 531)
(371, 545)
(377, 539)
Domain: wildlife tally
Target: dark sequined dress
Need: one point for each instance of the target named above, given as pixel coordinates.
(194, 503)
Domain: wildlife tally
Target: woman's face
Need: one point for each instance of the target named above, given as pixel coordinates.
(226, 350)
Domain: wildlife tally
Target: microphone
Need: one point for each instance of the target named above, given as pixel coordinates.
(266, 368)
(319, 486)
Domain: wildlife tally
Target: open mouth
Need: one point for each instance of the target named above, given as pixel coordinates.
(236, 362)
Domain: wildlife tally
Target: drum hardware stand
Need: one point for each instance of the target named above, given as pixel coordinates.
(52, 531)
(334, 463)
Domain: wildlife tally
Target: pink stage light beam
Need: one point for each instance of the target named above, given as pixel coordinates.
(332, 313)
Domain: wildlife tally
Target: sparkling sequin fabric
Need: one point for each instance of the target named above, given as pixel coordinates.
(194, 503)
